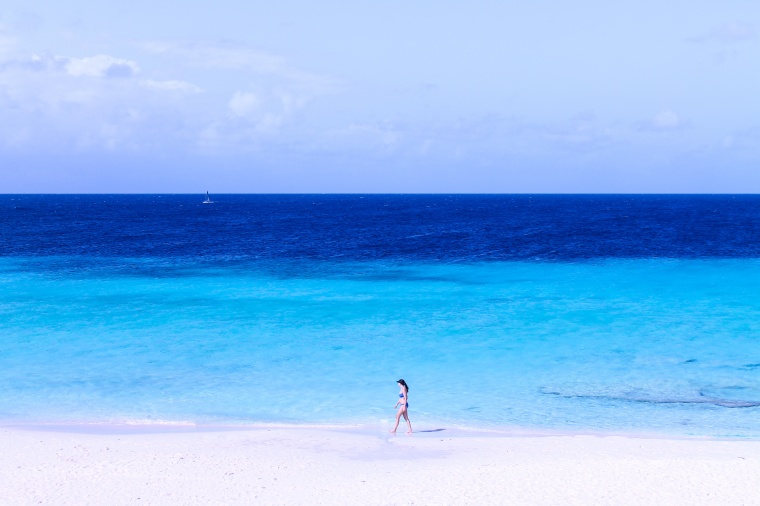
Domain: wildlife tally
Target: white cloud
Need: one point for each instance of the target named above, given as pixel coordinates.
(171, 85)
(223, 56)
(255, 119)
(101, 66)
(95, 102)
(80, 104)
(263, 113)
(276, 92)
(238, 57)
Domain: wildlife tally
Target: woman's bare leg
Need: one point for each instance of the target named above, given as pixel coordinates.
(398, 417)
(408, 422)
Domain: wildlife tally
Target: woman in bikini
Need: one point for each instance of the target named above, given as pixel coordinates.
(403, 400)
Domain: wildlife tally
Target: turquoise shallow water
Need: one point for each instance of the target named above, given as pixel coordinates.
(668, 346)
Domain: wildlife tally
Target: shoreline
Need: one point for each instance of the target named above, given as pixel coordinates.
(170, 427)
(333, 466)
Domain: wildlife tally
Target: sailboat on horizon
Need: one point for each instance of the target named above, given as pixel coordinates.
(208, 199)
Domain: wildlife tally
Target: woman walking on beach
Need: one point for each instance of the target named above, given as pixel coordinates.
(403, 400)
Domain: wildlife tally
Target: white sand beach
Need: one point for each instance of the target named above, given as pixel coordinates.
(321, 466)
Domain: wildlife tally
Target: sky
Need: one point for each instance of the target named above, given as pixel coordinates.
(545, 96)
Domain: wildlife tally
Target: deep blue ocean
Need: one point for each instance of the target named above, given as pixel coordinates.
(613, 313)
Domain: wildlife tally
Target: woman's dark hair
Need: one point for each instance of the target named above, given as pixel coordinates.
(403, 384)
